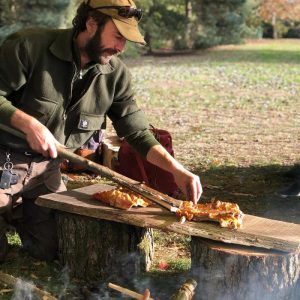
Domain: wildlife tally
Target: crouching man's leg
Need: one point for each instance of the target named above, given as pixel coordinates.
(3, 239)
(37, 230)
(37, 225)
(5, 206)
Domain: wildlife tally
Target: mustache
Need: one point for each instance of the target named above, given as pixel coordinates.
(110, 51)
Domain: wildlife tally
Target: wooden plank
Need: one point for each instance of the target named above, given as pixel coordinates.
(256, 231)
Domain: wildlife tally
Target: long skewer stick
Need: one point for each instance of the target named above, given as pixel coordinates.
(133, 185)
(130, 293)
(11, 281)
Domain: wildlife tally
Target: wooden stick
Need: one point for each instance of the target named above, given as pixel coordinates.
(128, 292)
(11, 281)
(135, 186)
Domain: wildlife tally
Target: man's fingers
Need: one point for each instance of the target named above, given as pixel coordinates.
(197, 188)
(52, 151)
(146, 295)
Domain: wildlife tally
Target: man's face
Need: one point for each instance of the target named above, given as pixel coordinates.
(105, 43)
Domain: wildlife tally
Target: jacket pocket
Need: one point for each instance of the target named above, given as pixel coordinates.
(86, 126)
(41, 108)
(88, 122)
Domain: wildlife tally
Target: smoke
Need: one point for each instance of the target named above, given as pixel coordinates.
(65, 279)
(23, 290)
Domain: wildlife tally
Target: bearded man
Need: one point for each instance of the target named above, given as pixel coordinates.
(57, 87)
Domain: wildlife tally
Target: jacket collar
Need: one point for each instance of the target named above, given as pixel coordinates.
(62, 48)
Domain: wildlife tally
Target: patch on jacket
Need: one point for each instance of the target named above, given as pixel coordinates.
(83, 124)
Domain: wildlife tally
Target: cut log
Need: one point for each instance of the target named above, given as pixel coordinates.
(186, 291)
(227, 271)
(95, 249)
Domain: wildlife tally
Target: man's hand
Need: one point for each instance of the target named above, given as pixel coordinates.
(39, 138)
(188, 182)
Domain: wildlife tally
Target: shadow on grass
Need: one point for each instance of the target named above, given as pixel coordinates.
(255, 189)
(230, 56)
(256, 55)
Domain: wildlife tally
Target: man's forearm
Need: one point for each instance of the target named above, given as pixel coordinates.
(23, 121)
(188, 182)
(39, 138)
(159, 156)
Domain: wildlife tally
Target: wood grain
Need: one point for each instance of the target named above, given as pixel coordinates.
(256, 231)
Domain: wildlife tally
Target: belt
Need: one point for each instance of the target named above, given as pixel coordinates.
(26, 153)
(32, 154)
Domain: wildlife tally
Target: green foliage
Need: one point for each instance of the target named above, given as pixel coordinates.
(132, 50)
(164, 24)
(20, 14)
(294, 31)
(222, 22)
(14, 239)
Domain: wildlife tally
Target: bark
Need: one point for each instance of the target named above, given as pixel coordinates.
(274, 20)
(188, 13)
(96, 249)
(236, 272)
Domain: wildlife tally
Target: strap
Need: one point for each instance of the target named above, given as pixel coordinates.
(142, 169)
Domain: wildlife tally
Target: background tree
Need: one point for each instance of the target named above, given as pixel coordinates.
(165, 23)
(171, 24)
(15, 14)
(279, 14)
(220, 22)
(189, 27)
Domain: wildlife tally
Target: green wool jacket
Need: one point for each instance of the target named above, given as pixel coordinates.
(37, 73)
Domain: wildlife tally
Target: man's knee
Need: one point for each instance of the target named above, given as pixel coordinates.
(3, 239)
(5, 203)
(42, 251)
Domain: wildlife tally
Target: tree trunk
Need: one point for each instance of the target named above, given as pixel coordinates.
(226, 271)
(274, 27)
(95, 249)
(188, 13)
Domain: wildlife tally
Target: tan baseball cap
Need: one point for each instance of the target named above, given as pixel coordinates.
(128, 26)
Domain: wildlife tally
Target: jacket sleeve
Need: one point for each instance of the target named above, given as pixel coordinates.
(126, 117)
(128, 120)
(142, 141)
(13, 73)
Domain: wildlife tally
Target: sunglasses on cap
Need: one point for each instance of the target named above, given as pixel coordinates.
(125, 11)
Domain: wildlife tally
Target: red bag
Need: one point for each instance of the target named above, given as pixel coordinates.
(132, 165)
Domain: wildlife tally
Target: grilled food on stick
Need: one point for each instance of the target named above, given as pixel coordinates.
(227, 214)
(121, 198)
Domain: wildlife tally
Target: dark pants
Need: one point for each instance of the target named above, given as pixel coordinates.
(35, 224)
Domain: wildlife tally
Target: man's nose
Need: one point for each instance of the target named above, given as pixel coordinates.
(121, 45)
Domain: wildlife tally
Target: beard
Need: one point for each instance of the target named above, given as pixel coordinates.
(96, 52)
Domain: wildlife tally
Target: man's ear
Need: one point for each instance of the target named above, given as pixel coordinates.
(91, 26)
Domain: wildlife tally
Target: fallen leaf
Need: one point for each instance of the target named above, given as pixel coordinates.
(33, 276)
(163, 265)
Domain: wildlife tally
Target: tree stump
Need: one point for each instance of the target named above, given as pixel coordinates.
(227, 271)
(94, 249)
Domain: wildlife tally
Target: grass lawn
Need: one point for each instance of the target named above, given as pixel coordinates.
(233, 114)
